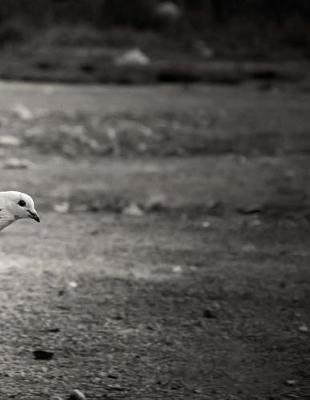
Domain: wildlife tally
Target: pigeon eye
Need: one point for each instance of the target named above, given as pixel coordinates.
(21, 203)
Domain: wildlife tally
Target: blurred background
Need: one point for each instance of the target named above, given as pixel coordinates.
(86, 41)
(166, 145)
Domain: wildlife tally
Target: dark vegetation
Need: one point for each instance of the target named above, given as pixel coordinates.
(79, 41)
(141, 14)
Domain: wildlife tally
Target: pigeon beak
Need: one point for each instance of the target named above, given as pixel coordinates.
(34, 215)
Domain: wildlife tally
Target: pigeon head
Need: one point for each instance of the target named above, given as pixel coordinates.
(18, 205)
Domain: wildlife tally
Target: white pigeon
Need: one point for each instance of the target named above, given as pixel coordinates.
(14, 206)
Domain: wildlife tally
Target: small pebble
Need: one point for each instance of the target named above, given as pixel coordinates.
(76, 395)
(42, 355)
(156, 202)
(23, 112)
(112, 376)
(133, 210)
(16, 163)
(114, 387)
(61, 208)
(250, 209)
(197, 391)
(303, 329)
(9, 141)
(207, 313)
(177, 269)
(290, 382)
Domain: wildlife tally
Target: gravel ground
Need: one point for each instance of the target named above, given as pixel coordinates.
(201, 297)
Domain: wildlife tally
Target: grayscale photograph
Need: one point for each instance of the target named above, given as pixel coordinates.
(155, 199)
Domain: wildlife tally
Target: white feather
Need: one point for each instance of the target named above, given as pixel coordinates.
(6, 219)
